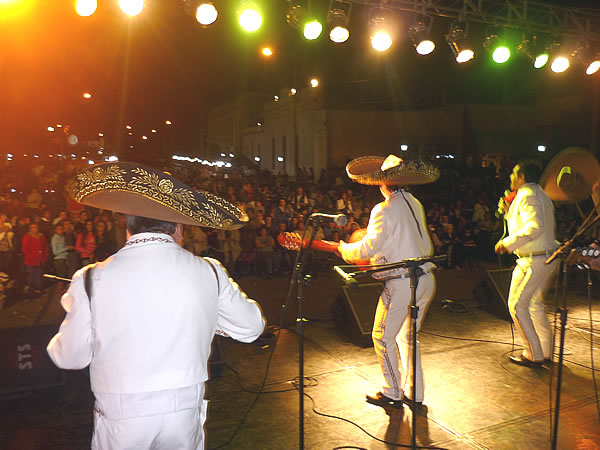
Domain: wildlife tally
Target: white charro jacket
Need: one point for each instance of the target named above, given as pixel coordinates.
(530, 220)
(393, 234)
(154, 311)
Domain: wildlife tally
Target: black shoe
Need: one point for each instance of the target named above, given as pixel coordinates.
(522, 361)
(381, 400)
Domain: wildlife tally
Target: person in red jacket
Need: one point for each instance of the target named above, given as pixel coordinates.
(35, 249)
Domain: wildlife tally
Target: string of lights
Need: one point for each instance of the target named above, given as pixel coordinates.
(542, 33)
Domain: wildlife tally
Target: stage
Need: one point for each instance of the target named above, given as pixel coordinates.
(474, 398)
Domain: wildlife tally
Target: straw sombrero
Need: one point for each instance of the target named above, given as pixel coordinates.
(142, 191)
(570, 175)
(391, 170)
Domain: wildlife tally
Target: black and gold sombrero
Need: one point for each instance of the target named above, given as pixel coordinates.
(142, 191)
(391, 170)
(570, 175)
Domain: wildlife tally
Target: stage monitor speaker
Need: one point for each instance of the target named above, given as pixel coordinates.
(24, 362)
(492, 292)
(354, 312)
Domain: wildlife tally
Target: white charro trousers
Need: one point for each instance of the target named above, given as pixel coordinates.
(530, 279)
(172, 419)
(392, 335)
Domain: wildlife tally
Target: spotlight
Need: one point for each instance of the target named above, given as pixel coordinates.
(250, 18)
(380, 27)
(420, 36)
(531, 48)
(295, 16)
(206, 14)
(593, 66)
(314, 82)
(456, 39)
(86, 8)
(496, 46)
(312, 29)
(337, 19)
(267, 51)
(131, 7)
(560, 64)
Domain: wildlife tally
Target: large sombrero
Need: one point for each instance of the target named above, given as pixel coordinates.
(391, 170)
(142, 191)
(570, 175)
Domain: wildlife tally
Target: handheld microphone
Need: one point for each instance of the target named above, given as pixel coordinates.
(500, 212)
(338, 219)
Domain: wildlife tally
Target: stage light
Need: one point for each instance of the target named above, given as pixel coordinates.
(128, 127)
(495, 45)
(541, 148)
(280, 158)
(206, 14)
(380, 27)
(314, 82)
(101, 134)
(87, 95)
(250, 18)
(456, 39)
(257, 158)
(50, 129)
(153, 130)
(541, 60)
(420, 36)
(131, 7)
(312, 29)
(276, 98)
(404, 147)
(86, 8)
(531, 48)
(293, 91)
(168, 122)
(267, 51)
(593, 67)
(145, 138)
(295, 16)
(337, 20)
(560, 64)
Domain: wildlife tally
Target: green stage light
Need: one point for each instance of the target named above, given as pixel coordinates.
(312, 29)
(501, 54)
(250, 19)
(541, 60)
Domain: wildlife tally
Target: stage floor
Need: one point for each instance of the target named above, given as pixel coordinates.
(474, 397)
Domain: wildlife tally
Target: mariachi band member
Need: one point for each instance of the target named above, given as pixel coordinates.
(397, 230)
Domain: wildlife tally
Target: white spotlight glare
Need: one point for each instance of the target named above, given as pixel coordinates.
(593, 67)
(381, 41)
(86, 8)
(257, 158)
(131, 7)
(404, 147)
(560, 64)
(206, 14)
(280, 158)
(541, 148)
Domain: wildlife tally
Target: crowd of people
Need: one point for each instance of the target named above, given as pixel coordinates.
(41, 231)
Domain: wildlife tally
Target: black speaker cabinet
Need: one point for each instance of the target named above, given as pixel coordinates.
(354, 312)
(216, 362)
(24, 362)
(492, 292)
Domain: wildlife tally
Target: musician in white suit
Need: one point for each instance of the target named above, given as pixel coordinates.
(397, 230)
(531, 236)
(144, 319)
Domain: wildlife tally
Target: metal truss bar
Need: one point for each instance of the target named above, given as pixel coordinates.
(531, 16)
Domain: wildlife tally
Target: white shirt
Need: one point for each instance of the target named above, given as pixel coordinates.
(154, 311)
(530, 220)
(393, 234)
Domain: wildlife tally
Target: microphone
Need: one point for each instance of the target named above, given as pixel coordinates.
(338, 219)
(500, 212)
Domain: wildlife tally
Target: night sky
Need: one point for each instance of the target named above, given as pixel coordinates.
(162, 65)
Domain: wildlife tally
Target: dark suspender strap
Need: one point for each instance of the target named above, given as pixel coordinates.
(212, 266)
(87, 283)
(413, 214)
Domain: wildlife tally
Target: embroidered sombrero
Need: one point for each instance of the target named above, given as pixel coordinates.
(570, 175)
(142, 191)
(391, 170)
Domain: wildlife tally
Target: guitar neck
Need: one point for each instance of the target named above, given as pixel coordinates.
(324, 246)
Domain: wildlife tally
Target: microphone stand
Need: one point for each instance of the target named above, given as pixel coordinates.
(413, 265)
(301, 280)
(563, 252)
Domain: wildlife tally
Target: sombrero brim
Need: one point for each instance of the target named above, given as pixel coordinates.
(142, 191)
(367, 170)
(584, 166)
